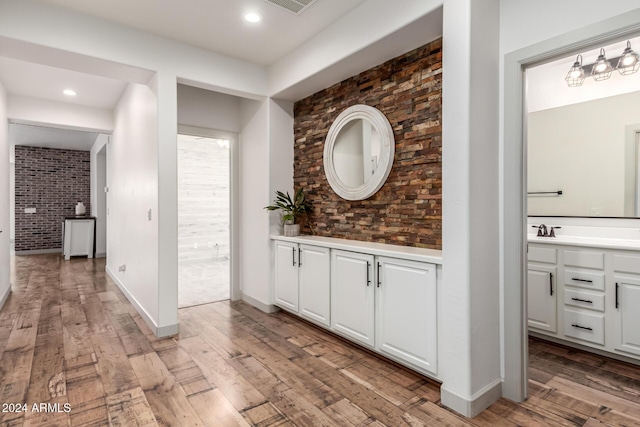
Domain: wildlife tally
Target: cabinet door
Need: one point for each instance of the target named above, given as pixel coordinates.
(406, 321)
(352, 296)
(315, 282)
(542, 301)
(627, 302)
(286, 276)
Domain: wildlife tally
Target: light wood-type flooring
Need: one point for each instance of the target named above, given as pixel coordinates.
(68, 335)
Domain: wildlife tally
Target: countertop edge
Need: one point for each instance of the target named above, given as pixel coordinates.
(591, 243)
(432, 256)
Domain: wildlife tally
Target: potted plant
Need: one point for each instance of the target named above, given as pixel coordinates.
(292, 210)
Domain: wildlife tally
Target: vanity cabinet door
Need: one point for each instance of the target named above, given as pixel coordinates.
(286, 275)
(315, 283)
(352, 296)
(627, 304)
(406, 320)
(541, 298)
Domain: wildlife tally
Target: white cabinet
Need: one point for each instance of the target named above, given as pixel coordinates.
(78, 237)
(353, 296)
(627, 306)
(380, 296)
(314, 283)
(286, 275)
(302, 280)
(542, 298)
(406, 319)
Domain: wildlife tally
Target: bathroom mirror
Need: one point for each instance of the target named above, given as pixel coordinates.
(358, 152)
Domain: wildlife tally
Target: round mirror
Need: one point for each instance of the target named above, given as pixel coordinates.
(358, 152)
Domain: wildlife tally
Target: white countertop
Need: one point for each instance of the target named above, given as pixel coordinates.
(432, 256)
(593, 242)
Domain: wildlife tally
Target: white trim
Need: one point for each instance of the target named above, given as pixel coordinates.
(5, 297)
(267, 308)
(476, 404)
(39, 252)
(387, 149)
(513, 182)
(159, 331)
(101, 255)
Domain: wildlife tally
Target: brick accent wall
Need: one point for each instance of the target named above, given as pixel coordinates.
(407, 210)
(52, 181)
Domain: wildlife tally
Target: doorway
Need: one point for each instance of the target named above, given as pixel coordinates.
(514, 185)
(204, 218)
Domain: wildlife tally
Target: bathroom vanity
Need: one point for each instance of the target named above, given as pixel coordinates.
(383, 297)
(585, 291)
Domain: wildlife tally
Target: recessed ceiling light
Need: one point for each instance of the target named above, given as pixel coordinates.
(253, 17)
(69, 92)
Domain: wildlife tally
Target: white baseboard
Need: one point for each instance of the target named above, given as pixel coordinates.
(476, 404)
(4, 297)
(159, 331)
(267, 308)
(101, 255)
(39, 252)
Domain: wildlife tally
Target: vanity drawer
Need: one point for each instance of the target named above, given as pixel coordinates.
(584, 279)
(626, 263)
(588, 259)
(540, 254)
(584, 326)
(584, 299)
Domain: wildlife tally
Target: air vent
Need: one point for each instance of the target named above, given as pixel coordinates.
(295, 6)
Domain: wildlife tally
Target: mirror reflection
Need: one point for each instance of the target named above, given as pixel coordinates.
(356, 152)
(583, 142)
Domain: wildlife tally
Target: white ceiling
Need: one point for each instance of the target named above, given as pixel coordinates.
(218, 25)
(215, 25)
(39, 136)
(40, 81)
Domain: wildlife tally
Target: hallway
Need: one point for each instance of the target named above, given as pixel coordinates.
(68, 335)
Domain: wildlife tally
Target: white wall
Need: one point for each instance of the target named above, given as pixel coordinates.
(580, 149)
(527, 31)
(207, 109)
(5, 284)
(98, 172)
(470, 327)
(255, 266)
(133, 190)
(59, 114)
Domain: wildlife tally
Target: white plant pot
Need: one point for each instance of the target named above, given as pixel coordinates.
(291, 230)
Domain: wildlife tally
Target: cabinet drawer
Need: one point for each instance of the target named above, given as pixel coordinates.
(626, 263)
(539, 254)
(584, 299)
(584, 326)
(588, 259)
(584, 279)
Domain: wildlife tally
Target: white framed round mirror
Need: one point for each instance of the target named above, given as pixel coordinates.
(358, 152)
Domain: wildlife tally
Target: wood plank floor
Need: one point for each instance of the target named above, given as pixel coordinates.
(69, 336)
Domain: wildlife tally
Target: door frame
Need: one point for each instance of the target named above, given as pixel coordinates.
(513, 182)
(234, 180)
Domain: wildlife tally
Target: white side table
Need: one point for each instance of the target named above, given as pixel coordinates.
(78, 235)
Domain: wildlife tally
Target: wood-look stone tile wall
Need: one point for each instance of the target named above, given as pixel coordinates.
(407, 210)
(53, 181)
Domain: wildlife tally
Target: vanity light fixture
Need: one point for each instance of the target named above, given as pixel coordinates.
(602, 68)
(629, 62)
(575, 76)
(69, 92)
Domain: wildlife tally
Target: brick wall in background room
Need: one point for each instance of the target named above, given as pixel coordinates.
(53, 181)
(407, 210)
